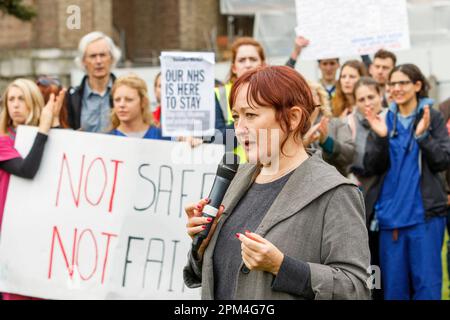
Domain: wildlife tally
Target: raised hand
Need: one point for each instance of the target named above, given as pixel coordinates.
(312, 135)
(47, 114)
(323, 129)
(424, 123)
(58, 106)
(377, 123)
(299, 44)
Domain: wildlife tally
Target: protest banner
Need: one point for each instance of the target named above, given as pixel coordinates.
(187, 94)
(103, 218)
(342, 28)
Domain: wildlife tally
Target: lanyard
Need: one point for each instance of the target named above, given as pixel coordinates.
(12, 133)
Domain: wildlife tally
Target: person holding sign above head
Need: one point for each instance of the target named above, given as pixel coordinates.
(291, 227)
(328, 67)
(23, 104)
(409, 150)
(246, 54)
(343, 102)
(131, 115)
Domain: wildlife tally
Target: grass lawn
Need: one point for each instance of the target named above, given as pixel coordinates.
(445, 283)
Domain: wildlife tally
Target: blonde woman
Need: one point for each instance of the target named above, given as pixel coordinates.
(23, 104)
(331, 135)
(131, 116)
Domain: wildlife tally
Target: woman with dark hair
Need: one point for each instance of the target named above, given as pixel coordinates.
(291, 227)
(48, 85)
(409, 149)
(342, 103)
(367, 95)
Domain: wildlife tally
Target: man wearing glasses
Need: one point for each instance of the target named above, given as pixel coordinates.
(88, 105)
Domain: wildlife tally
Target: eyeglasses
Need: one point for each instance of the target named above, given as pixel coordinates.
(400, 83)
(47, 81)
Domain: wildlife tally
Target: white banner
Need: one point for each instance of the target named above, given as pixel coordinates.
(341, 28)
(103, 218)
(187, 94)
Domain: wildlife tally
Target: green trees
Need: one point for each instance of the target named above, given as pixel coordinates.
(17, 9)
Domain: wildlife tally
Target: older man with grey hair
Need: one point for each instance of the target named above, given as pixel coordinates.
(88, 105)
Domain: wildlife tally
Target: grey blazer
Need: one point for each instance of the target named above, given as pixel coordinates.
(318, 218)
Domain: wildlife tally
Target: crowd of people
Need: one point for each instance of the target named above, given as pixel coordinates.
(375, 146)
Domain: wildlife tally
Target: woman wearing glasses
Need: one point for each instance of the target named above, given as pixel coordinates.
(409, 149)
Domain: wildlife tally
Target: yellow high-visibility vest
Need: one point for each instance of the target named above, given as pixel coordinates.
(223, 94)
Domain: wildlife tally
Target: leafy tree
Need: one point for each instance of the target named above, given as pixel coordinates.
(17, 9)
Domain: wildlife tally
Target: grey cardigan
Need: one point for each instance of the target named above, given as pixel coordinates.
(343, 146)
(318, 218)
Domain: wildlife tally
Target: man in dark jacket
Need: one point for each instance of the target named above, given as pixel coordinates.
(89, 105)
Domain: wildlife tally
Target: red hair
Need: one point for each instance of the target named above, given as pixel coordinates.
(282, 88)
(340, 102)
(244, 41)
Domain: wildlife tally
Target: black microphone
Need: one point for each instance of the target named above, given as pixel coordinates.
(225, 173)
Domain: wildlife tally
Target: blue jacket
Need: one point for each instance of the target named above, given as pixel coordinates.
(152, 133)
(433, 157)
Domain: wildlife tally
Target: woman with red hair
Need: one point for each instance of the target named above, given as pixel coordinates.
(246, 54)
(291, 227)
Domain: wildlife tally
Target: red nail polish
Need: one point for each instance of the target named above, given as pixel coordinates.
(237, 235)
(203, 227)
(209, 219)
